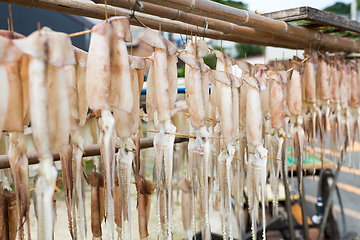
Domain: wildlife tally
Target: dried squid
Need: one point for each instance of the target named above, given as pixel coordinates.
(345, 95)
(164, 87)
(49, 52)
(8, 54)
(310, 106)
(126, 125)
(277, 114)
(229, 95)
(335, 109)
(323, 92)
(258, 157)
(198, 147)
(107, 76)
(354, 105)
(296, 120)
(76, 84)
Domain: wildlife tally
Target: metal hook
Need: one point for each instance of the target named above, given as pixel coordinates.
(206, 25)
(318, 46)
(132, 14)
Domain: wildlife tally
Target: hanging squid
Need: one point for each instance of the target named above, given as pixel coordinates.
(354, 105)
(224, 149)
(335, 108)
(257, 162)
(296, 120)
(76, 85)
(96, 181)
(345, 95)
(277, 114)
(164, 87)
(14, 124)
(323, 95)
(229, 94)
(126, 125)
(108, 82)
(146, 188)
(198, 147)
(49, 52)
(8, 55)
(310, 110)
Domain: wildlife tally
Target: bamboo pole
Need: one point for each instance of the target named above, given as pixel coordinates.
(89, 151)
(88, 9)
(241, 17)
(214, 24)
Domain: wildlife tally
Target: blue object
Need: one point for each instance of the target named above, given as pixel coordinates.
(180, 90)
(319, 207)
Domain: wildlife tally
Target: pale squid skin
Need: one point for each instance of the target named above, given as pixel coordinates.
(108, 139)
(199, 150)
(163, 142)
(120, 77)
(354, 106)
(229, 85)
(76, 86)
(8, 53)
(14, 115)
(81, 60)
(296, 130)
(48, 51)
(126, 125)
(18, 78)
(160, 73)
(335, 108)
(310, 109)
(98, 67)
(257, 161)
(277, 113)
(345, 95)
(323, 79)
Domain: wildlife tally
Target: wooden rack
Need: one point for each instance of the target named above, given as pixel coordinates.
(318, 20)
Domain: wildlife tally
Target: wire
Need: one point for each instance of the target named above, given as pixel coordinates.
(132, 14)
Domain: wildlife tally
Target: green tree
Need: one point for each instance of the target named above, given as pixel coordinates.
(235, 4)
(250, 50)
(339, 8)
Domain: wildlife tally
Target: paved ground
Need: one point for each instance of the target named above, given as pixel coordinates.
(349, 187)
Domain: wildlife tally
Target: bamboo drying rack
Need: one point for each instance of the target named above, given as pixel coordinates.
(225, 23)
(208, 19)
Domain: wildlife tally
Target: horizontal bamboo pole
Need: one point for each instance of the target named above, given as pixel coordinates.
(200, 21)
(241, 17)
(89, 151)
(89, 9)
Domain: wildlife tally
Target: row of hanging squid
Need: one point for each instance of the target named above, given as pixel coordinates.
(245, 120)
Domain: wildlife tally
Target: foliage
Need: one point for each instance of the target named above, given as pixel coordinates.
(210, 59)
(231, 3)
(339, 8)
(250, 50)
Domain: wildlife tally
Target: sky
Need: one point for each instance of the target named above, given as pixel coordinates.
(264, 6)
